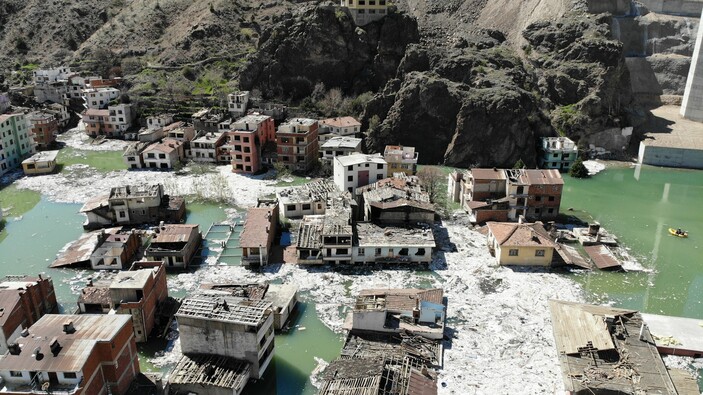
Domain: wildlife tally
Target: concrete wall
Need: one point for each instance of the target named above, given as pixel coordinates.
(692, 104)
(526, 256)
(675, 7)
(670, 157)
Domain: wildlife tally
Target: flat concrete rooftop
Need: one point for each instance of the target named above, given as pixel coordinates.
(672, 130)
(676, 332)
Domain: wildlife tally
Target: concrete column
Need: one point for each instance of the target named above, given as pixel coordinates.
(692, 104)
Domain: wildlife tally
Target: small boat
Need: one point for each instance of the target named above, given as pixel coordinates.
(682, 234)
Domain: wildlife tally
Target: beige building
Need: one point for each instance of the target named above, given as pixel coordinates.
(40, 163)
(339, 127)
(163, 155)
(526, 244)
(366, 11)
(400, 159)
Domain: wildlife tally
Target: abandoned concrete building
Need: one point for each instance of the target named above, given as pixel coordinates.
(392, 244)
(259, 231)
(134, 205)
(308, 199)
(376, 363)
(283, 297)
(115, 250)
(72, 354)
(23, 300)
(394, 200)
(136, 292)
(309, 246)
(603, 349)
(520, 243)
(217, 323)
(176, 245)
(208, 374)
(419, 312)
(506, 194)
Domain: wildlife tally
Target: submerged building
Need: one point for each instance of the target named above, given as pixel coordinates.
(175, 244)
(218, 323)
(23, 300)
(134, 205)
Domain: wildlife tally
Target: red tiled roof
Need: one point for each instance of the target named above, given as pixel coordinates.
(525, 235)
(341, 122)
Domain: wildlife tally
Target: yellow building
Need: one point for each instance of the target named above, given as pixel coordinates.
(366, 11)
(40, 163)
(400, 160)
(525, 244)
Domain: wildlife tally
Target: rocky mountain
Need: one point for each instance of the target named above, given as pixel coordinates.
(471, 82)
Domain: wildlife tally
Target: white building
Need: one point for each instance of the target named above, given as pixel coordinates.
(163, 155)
(16, 141)
(100, 97)
(204, 148)
(558, 153)
(339, 127)
(339, 146)
(357, 170)
(159, 121)
(48, 76)
(390, 244)
(237, 103)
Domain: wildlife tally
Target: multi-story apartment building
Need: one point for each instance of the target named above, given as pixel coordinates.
(133, 205)
(100, 97)
(159, 121)
(217, 323)
(339, 146)
(207, 120)
(357, 170)
(44, 127)
(558, 153)
(506, 194)
(400, 159)
(164, 155)
(23, 300)
(207, 147)
(47, 76)
(4, 102)
(72, 354)
(16, 141)
(339, 127)
(297, 144)
(246, 138)
(237, 103)
(112, 122)
(366, 11)
(137, 293)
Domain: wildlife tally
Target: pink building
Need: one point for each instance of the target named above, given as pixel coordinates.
(246, 138)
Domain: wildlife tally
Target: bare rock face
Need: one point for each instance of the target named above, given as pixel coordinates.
(322, 44)
(463, 107)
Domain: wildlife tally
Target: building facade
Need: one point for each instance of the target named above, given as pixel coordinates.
(247, 137)
(297, 144)
(237, 103)
(16, 141)
(400, 159)
(112, 122)
(339, 127)
(558, 153)
(175, 244)
(525, 244)
(40, 163)
(164, 155)
(339, 146)
(44, 127)
(366, 11)
(217, 323)
(357, 170)
(23, 300)
(73, 354)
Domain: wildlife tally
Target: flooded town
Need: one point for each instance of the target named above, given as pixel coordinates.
(243, 237)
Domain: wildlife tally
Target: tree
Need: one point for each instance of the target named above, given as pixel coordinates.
(578, 169)
(281, 170)
(519, 164)
(431, 179)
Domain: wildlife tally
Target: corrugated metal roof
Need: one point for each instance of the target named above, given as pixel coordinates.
(174, 233)
(76, 347)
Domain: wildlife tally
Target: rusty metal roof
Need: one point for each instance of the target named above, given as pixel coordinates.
(488, 174)
(257, 227)
(76, 347)
(174, 233)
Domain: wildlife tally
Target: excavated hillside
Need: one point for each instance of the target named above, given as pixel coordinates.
(472, 82)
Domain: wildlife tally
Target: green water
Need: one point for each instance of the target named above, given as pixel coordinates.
(101, 160)
(36, 229)
(639, 212)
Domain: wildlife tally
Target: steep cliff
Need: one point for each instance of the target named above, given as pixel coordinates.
(322, 44)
